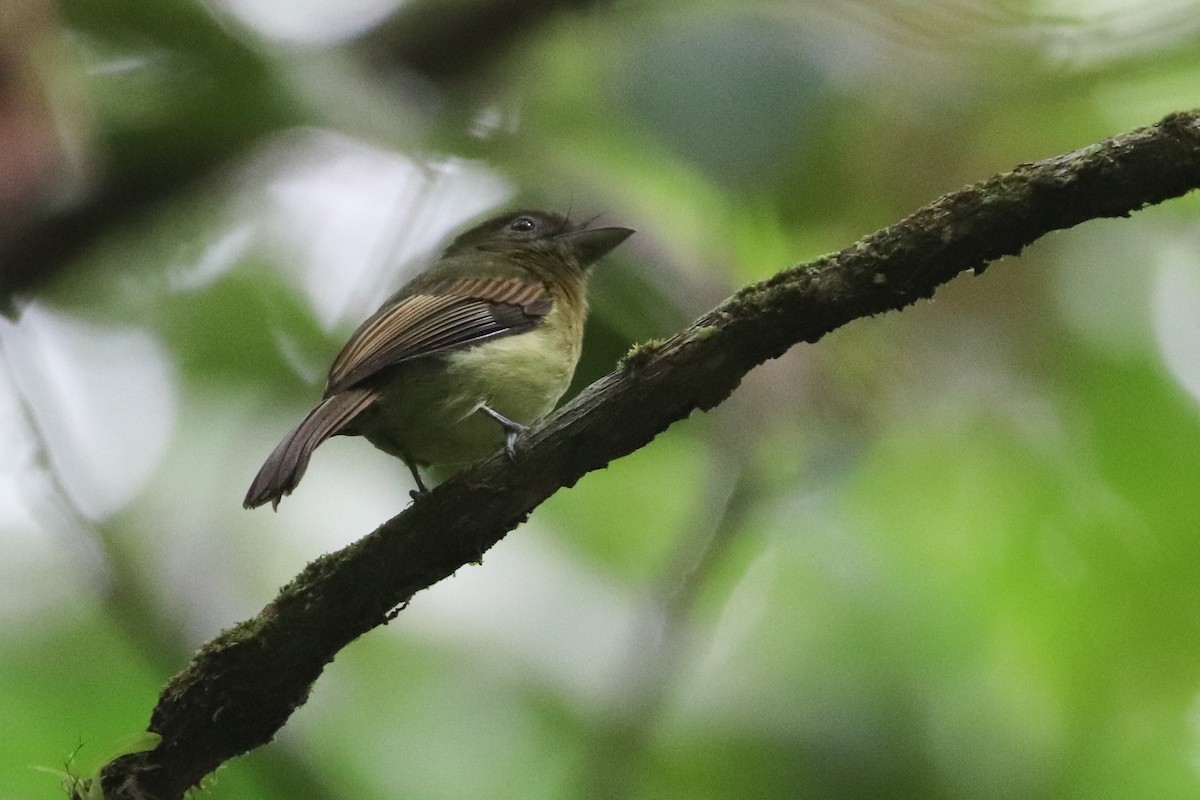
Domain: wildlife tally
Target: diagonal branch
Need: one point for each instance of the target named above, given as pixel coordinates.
(242, 686)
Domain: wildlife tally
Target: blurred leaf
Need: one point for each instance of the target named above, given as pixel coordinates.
(174, 90)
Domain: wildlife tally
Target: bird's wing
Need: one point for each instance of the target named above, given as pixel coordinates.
(444, 317)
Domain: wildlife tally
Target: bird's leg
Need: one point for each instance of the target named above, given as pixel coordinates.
(421, 489)
(511, 430)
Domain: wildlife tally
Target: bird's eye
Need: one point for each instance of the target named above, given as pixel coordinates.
(522, 225)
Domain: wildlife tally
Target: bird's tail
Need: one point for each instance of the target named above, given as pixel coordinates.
(285, 466)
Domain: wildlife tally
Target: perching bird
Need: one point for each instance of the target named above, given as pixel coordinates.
(460, 360)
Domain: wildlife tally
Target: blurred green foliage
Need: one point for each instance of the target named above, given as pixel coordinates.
(951, 553)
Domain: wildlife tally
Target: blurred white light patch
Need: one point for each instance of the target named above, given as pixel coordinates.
(537, 606)
(17, 452)
(1083, 33)
(1177, 316)
(213, 262)
(316, 22)
(1101, 297)
(102, 399)
(354, 220)
(32, 562)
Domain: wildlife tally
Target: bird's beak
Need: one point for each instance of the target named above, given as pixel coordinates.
(594, 243)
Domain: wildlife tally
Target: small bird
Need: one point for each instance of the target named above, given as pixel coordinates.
(466, 355)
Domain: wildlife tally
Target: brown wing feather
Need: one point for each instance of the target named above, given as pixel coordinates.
(445, 317)
(285, 466)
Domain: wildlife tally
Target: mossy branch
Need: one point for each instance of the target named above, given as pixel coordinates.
(242, 686)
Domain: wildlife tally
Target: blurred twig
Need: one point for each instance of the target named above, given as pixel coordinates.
(660, 645)
(242, 686)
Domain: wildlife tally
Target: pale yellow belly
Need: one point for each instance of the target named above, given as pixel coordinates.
(430, 414)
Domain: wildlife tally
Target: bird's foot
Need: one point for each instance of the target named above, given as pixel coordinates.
(511, 430)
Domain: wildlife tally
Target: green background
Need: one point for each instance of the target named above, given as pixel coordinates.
(946, 553)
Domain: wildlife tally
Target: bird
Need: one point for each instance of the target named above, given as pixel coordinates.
(463, 358)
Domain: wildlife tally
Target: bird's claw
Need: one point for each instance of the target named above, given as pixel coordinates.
(511, 428)
(510, 440)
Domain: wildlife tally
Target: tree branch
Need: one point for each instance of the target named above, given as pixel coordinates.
(242, 686)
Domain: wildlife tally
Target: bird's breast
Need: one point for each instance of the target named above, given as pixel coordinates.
(430, 411)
